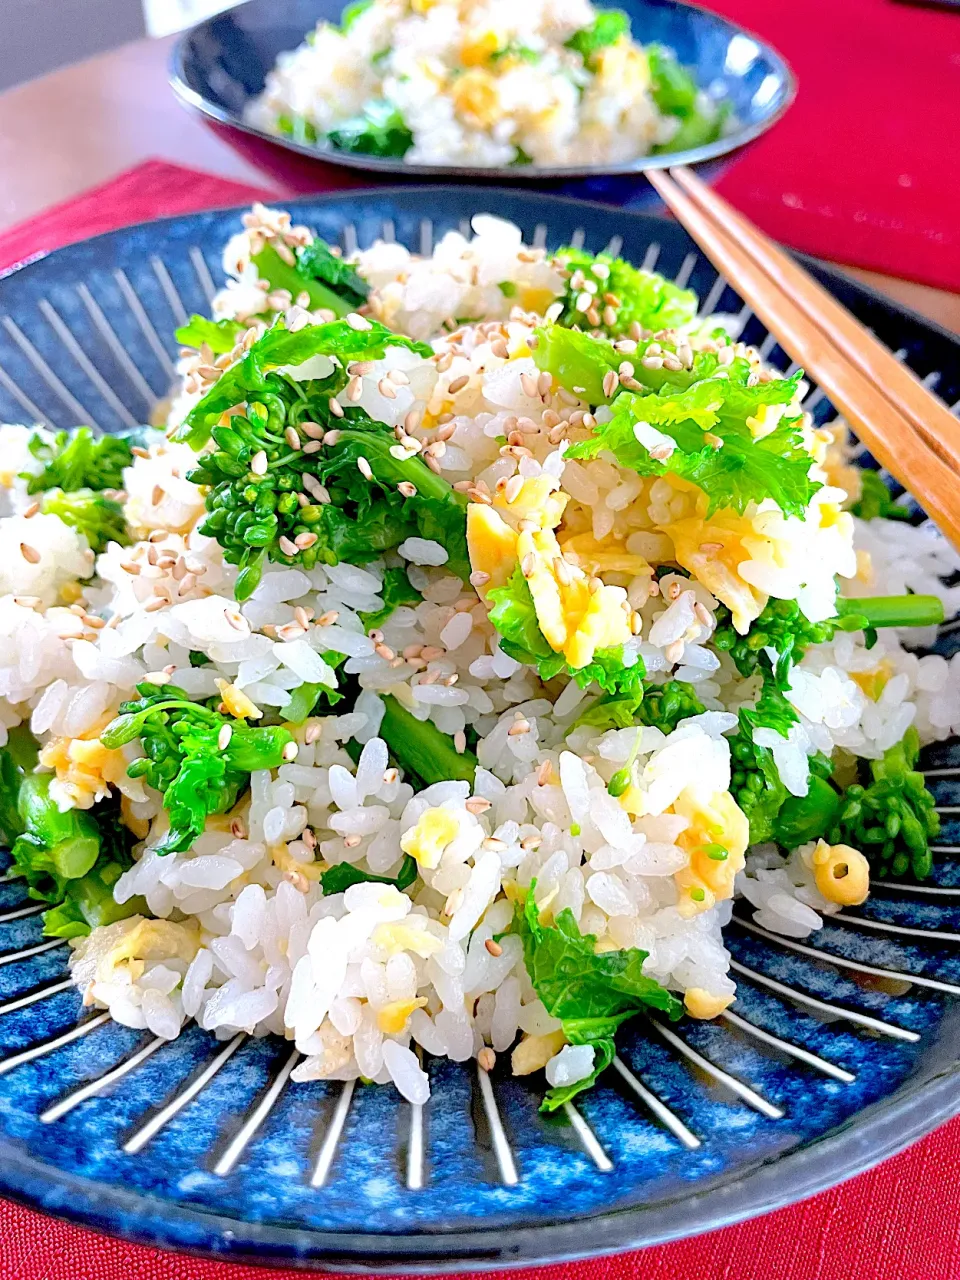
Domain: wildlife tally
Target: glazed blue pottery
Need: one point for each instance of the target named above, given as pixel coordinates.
(838, 1051)
(219, 66)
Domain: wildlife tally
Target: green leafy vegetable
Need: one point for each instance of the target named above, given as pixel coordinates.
(578, 362)
(352, 12)
(17, 758)
(380, 131)
(396, 591)
(738, 470)
(304, 698)
(512, 49)
(609, 26)
(675, 93)
(219, 335)
(282, 275)
(591, 994)
(421, 749)
(515, 617)
(317, 261)
(250, 377)
(877, 500)
(339, 878)
(99, 519)
(79, 460)
(625, 296)
(297, 127)
(184, 759)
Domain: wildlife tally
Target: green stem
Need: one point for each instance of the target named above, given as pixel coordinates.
(893, 611)
(419, 747)
(280, 275)
(71, 838)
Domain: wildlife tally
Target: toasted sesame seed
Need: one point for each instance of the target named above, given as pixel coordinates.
(493, 947)
(458, 384)
(518, 727)
(328, 619)
(433, 464)
(355, 389)
(287, 547)
(609, 316)
(407, 488)
(311, 734)
(157, 677)
(305, 540)
(610, 383)
(259, 463)
(363, 466)
(290, 751)
(153, 604)
(477, 805)
(30, 554)
(236, 620)
(479, 578)
(453, 903)
(312, 446)
(303, 616)
(357, 322)
(384, 651)
(413, 420)
(31, 511)
(292, 437)
(390, 776)
(92, 621)
(224, 736)
(662, 452)
(513, 488)
(387, 389)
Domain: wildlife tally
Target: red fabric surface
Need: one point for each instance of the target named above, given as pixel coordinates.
(864, 168)
(900, 1220)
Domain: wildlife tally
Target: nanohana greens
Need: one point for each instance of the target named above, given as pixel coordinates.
(481, 624)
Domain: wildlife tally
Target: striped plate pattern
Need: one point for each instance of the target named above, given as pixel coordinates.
(837, 1051)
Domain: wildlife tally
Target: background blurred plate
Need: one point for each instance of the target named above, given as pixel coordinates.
(222, 63)
(837, 1052)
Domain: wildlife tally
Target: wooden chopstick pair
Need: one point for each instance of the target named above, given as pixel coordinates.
(908, 430)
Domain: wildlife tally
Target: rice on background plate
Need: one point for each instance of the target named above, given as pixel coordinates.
(467, 642)
(485, 83)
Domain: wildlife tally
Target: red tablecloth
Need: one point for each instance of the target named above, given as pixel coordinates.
(901, 1220)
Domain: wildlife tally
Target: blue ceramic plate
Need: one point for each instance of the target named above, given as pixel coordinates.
(837, 1052)
(219, 66)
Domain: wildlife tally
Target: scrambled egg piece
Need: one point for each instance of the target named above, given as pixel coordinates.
(875, 681)
(476, 99)
(393, 1017)
(841, 872)
(123, 948)
(712, 550)
(701, 1004)
(478, 48)
(237, 702)
(491, 545)
(85, 768)
(431, 835)
(623, 68)
(400, 936)
(604, 556)
(537, 499)
(717, 824)
(576, 616)
(534, 1052)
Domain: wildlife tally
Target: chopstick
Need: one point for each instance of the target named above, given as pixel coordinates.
(850, 365)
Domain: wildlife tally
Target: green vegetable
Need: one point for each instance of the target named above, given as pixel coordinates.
(784, 627)
(514, 50)
(515, 617)
(661, 706)
(380, 131)
(609, 26)
(755, 780)
(99, 519)
(877, 500)
(72, 859)
(281, 275)
(219, 335)
(889, 815)
(339, 878)
(184, 760)
(675, 93)
(733, 474)
(578, 362)
(396, 591)
(421, 749)
(591, 994)
(352, 12)
(317, 261)
(17, 758)
(297, 127)
(79, 460)
(278, 347)
(644, 298)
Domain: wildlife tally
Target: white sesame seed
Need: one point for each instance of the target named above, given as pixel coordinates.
(258, 464)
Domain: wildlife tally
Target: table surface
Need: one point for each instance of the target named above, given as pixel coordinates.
(119, 111)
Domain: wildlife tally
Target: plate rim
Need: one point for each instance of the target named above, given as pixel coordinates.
(525, 176)
(880, 1131)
